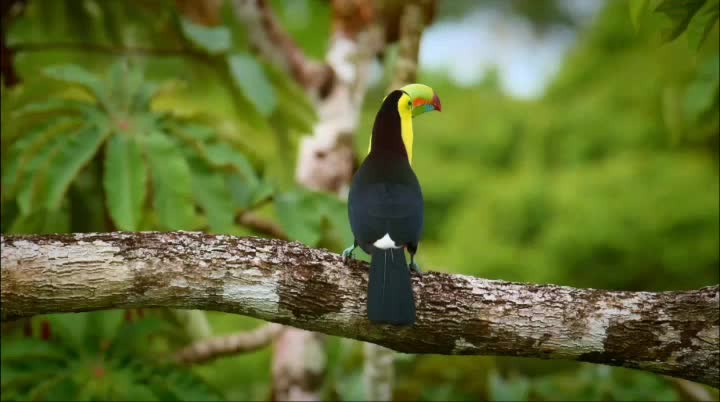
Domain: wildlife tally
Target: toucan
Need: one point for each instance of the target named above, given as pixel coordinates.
(385, 205)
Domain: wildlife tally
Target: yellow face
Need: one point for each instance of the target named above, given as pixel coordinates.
(415, 100)
(405, 108)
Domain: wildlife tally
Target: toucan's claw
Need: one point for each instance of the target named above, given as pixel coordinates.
(348, 254)
(415, 268)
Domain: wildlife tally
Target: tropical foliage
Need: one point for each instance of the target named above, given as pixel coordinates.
(137, 118)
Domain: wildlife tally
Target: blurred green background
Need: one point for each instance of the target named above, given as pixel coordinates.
(578, 145)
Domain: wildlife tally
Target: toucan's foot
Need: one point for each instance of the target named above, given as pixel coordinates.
(348, 254)
(415, 268)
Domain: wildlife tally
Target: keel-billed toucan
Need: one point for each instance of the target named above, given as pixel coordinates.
(385, 205)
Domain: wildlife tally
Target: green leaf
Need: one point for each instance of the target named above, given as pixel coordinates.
(247, 193)
(222, 154)
(250, 78)
(53, 105)
(77, 75)
(171, 182)
(702, 93)
(132, 337)
(27, 149)
(125, 181)
(42, 221)
(23, 349)
(680, 12)
(213, 197)
(299, 217)
(70, 159)
(196, 131)
(214, 40)
(180, 384)
(701, 24)
(289, 91)
(29, 195)
(637, 9)
(100, 328)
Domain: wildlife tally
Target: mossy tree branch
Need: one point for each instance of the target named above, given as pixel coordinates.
(673, 333)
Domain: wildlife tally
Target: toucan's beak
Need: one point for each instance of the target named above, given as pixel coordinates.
(422, 105)
(436, 103)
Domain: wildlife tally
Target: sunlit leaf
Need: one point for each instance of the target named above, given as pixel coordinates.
(213, 40)
(250, 78)
(77, 75)
(680, 12)
(171, 182)
(637, 9)
(125, 181)
(703, 21)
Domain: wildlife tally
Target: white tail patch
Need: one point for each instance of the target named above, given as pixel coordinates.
(385, 242)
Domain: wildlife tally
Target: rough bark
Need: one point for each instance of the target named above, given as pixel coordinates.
(673, 333)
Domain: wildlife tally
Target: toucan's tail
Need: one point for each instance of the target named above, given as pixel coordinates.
(390, 296)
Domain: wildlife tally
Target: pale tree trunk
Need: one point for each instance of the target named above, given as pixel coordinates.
(674, 333)
(325, 160)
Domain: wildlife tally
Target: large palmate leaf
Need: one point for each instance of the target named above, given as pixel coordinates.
(75, 153)
(171, 182)
(125, 181)
(77, 75)
(25, 149)
(32, 190)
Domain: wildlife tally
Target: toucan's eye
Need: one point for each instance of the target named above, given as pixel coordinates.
(409, 104)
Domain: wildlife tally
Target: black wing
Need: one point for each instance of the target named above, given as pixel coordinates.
(377, 209)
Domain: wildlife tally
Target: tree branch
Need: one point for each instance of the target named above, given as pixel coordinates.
(109, 49)
(273, 44)
(220, 346)
(673, 333)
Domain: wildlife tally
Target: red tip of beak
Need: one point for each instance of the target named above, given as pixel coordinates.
(436, 103)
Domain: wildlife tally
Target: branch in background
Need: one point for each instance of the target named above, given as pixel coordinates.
(271, 42)
(205, 13)
(261, 225)
(209, 349)
(412, 24)
(673, 333)
(691, 391)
